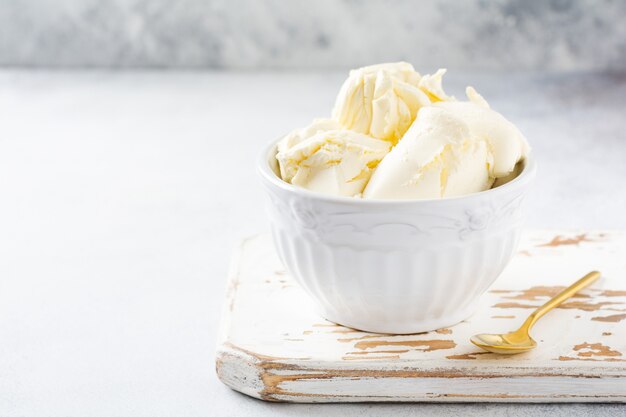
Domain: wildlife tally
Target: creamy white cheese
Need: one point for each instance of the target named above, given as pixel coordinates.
(338, 162)
(437, 157)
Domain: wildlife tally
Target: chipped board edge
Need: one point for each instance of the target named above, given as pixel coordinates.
(281, 380)
(239, 371)
(232, 369)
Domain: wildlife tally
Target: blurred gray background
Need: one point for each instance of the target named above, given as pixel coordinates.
(559, 35)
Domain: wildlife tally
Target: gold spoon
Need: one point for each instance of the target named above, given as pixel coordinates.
(520, 341)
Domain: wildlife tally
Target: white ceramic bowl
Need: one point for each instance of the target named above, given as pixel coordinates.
(394, 266)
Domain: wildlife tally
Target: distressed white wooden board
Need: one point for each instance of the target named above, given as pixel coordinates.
(274, 346)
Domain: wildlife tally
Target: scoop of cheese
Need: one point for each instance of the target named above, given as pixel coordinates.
(437, 157)
(380, 100)
(506, 142)
(338, 162)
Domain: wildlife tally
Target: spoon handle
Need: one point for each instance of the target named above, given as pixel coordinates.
(560, 297)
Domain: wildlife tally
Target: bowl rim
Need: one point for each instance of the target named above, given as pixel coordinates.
(266, 173)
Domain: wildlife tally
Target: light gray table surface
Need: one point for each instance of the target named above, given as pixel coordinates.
(122, 196)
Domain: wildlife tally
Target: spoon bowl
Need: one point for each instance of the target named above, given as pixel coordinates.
(506, 344)
(520, 341)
